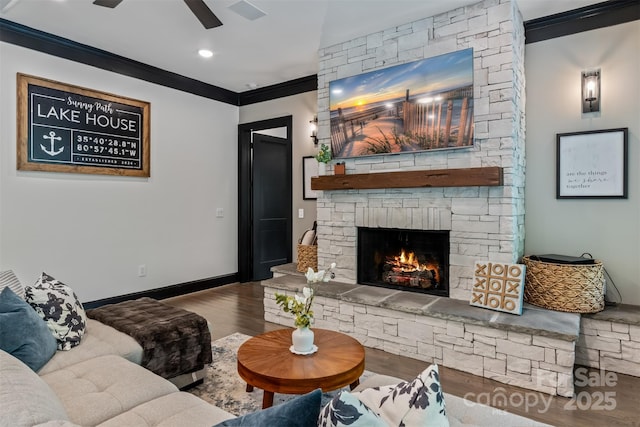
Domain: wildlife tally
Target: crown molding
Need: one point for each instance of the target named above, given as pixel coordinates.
(599, 15)
(280, 90)
(33, 39)
(30, 38)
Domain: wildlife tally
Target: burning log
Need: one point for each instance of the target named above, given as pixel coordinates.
(416, 279)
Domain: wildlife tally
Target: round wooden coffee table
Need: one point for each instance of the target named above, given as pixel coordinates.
(265, 361)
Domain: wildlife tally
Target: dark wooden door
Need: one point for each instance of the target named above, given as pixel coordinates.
(265, 221)
(271, 200)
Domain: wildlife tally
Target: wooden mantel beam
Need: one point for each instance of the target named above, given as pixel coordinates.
(468, 177)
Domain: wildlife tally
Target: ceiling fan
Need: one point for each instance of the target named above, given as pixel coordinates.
(198, 7)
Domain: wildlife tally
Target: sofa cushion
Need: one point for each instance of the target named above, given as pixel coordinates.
(98, 340)
(9, 280)
(58, 305)
(417, 402)
(301, 411)
(173, 410)
(101, 388)
(25, 399)
(23, 334)
(347, 410)
(467, 413)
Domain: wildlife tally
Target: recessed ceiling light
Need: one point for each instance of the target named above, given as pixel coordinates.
(205, 53)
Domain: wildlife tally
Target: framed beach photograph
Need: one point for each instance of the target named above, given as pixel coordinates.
(309, 169)
(418, 106)
(592, 164)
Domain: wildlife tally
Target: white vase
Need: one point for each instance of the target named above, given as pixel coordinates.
(322, 168)
(302, 339)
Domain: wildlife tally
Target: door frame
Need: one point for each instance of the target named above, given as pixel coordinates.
(245, 210)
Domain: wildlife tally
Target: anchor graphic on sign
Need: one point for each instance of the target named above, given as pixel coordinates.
(52, 137)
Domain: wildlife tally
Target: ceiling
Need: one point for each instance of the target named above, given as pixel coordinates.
(248, 54)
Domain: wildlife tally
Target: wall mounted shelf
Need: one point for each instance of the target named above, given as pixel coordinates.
(468, 177)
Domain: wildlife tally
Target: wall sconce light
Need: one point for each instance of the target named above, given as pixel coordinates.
(314, 130)
(591, 91)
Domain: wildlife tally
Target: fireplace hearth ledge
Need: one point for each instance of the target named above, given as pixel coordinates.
(534, 320)
(536, 351)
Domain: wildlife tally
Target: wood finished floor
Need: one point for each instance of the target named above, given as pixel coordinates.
(239, 308)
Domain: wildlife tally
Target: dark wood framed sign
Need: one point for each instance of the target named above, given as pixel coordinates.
(592, 164)
(66, 128)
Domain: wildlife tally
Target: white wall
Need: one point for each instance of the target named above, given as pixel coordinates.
(92, 231)
(608, 229)
(302, 107)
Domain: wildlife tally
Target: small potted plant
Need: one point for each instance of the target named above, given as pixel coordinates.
(323, 157)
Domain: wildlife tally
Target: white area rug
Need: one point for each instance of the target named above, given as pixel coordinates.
(224, 388)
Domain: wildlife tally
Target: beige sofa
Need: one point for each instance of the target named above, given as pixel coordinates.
(98, 383)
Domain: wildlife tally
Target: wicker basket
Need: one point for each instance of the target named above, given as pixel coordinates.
(565, 287)
(307, 257)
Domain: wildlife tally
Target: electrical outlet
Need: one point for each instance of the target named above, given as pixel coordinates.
(219, 213)
(300, 213)
(142, 270)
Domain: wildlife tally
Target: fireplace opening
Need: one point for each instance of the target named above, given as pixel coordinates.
(411, 260)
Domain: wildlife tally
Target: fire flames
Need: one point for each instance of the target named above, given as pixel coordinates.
(407, 263)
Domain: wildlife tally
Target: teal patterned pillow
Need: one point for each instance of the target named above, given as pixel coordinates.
(347, 410)
(58, 305)
(416, 403)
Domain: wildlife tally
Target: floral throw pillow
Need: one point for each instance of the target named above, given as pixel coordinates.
(416, 403)
(347, 410)
(58, 305)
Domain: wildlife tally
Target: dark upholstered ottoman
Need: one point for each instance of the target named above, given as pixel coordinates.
(175, 342)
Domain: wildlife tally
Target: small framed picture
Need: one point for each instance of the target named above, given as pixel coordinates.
(309, 169)
(592, 164)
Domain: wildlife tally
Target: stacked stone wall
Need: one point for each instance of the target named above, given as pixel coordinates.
(610, 346)
(484, 222)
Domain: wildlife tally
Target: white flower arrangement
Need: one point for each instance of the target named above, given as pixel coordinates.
(300, 306)
(320, 276)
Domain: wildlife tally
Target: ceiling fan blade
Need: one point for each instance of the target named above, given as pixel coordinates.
(203, 13)
(107, 3)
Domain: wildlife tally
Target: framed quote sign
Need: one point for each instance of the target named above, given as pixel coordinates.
(592, 164)
(66, 128)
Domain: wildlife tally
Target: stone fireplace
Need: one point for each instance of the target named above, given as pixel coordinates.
(537, 350)
(410, 260)
(483, 222)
